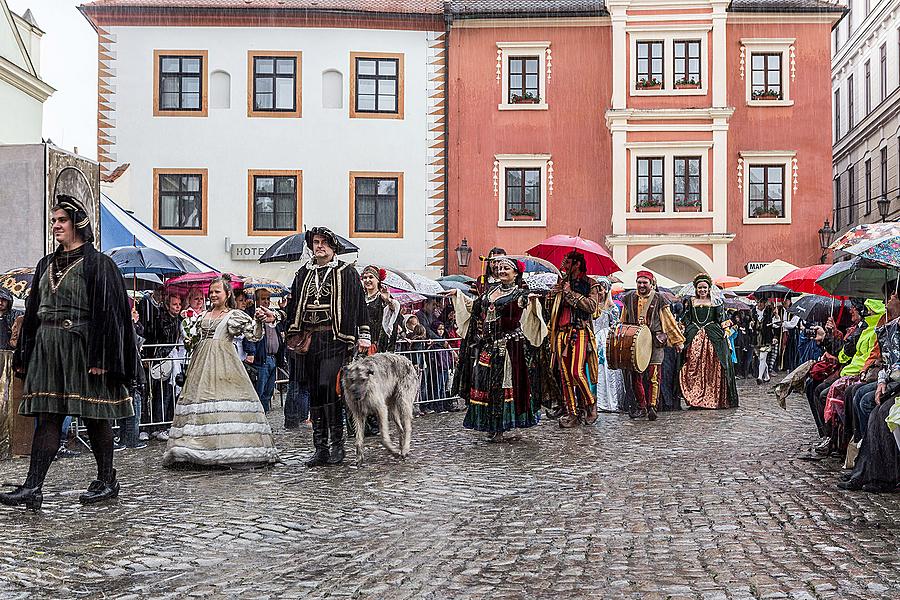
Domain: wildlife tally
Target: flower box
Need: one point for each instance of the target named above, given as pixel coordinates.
(687, 208)
(767, 215)
(651, 209)
(522, 217)
(656, 86)
(687, 86)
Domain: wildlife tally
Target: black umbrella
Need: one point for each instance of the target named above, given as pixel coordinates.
(817, 309)
(773, 291)
(292, 247)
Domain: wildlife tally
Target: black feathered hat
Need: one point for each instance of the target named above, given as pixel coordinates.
(76, 211)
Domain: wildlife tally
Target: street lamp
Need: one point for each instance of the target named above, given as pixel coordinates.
(884, 207)
(826, 234)
(463, 254)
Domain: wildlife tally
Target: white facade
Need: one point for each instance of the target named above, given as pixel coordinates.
(325, 144)
(22, 92)
(866, 122)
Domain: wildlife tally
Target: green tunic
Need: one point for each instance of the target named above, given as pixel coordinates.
(57, 379)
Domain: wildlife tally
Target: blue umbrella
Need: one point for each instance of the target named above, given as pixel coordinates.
(140, 259)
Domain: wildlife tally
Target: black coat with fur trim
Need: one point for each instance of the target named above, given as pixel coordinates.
(110, 343)
(349, 318)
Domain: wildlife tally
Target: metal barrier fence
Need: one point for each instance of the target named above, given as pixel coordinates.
(437, 360)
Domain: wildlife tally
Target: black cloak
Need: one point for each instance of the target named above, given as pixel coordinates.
(110, 343)
(349, 318)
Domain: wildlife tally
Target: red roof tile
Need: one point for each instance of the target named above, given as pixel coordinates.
(372, 6)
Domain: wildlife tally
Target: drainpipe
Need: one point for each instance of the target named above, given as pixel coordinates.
(448, 19)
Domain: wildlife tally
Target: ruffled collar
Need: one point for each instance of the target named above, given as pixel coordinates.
(329, 265)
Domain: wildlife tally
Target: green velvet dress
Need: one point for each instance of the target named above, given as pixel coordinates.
(57, 379)
(706, 373)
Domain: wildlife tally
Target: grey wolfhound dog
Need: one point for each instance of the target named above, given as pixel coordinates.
(381, 384)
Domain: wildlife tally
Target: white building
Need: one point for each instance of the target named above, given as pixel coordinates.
(244, 122)
(22, 91)
(866, 121)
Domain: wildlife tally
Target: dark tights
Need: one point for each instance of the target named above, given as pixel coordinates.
(46, 443)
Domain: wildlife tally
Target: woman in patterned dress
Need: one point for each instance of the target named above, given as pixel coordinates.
(610, 382)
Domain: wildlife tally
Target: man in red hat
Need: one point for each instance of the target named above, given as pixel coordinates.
(574, 301)
(646, 306)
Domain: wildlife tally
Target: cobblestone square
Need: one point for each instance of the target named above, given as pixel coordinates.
(701, 505)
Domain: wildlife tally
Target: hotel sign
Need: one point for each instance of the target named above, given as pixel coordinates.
(247, 251)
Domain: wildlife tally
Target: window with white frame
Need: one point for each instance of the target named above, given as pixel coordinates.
(767, 181)
(668, 60)
(768, 70)
(522, 74)
(522, 185)
(668, 178)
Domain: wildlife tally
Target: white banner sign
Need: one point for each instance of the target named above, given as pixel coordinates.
(754, 266)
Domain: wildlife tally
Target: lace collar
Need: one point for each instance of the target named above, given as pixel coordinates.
(315, 266)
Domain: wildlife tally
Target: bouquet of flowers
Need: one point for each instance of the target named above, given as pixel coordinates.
(190, 328)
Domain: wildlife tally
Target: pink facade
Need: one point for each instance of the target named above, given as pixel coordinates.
(678, 165)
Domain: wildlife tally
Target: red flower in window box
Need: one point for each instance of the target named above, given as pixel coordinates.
(687, 84)
(650, 208)
(522, 214)
(766, 95)
(528, 98)
(648, 84)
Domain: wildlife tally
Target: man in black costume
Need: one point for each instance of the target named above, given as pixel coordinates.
(326, 323)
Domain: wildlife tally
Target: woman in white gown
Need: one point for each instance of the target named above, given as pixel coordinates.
(610, 383)
(219, 420)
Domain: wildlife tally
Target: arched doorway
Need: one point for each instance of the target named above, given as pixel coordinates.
(678, 262)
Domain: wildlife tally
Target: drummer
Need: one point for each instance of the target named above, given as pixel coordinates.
(646, 306)
(575, 301)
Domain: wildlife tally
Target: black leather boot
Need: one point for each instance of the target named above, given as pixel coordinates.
(335, 417)
(29, 494)
(101, 490)
(320, 438)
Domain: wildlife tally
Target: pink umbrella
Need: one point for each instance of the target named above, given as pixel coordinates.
(555, 248)
(803, 280)
(185, 283)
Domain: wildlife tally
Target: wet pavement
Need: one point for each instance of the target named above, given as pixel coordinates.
(703, 505)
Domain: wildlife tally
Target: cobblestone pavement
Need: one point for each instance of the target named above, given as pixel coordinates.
(702, 505)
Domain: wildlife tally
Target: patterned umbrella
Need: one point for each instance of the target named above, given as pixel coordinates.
(857, 278)
(885, 251)
(276, 288)
(18, 281)
(866, 232)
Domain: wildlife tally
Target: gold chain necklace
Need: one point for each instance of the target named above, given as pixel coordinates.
(56, 278)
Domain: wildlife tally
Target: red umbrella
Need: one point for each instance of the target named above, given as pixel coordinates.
(803, 280)
(555, 248)
(184, 284)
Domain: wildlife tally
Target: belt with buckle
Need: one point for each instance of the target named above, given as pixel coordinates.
(63, 323)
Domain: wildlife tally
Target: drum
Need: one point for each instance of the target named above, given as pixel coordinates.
(629, 347)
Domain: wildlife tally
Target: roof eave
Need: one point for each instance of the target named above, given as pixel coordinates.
(562, 14)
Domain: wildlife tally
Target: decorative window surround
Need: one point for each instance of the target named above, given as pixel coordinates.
(541, 51)
(748, 158)
(527, 161)
(783, 46)
(668, 34)
(669, 150)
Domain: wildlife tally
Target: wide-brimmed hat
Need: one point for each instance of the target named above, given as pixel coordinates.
(327, 234)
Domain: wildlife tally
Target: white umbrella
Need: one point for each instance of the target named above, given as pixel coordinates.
(768, 275)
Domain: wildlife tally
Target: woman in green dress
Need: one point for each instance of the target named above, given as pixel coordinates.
(76, 353)
(706, 374)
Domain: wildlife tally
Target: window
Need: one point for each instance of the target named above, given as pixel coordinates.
(687, 184)
(837, 202)
(765, 76)
(851, 194)
(884, 172)
(766, 191)
(179, 201)
(376, 205)
(884, 82)
(650, 184)
(837, 114)
(868, 91)
(868, 176)
(275, 203)
(850, 107)
(377, 85)
(687, 62)
(180, 83)
(523, 194)
(524, 78)
(274, 83)
(649, 65)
